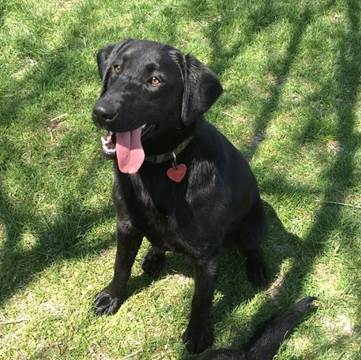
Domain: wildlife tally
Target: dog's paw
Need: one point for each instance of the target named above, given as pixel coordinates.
(198, 338)
(256, 272)
(153, 263)
(106, 304)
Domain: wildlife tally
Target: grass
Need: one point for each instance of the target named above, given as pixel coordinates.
(291, 73)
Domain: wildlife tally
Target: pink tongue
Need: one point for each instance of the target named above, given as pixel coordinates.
(129, 149)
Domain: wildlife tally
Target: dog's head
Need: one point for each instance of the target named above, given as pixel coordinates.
(151, 93)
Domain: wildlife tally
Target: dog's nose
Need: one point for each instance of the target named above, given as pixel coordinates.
(102, 113)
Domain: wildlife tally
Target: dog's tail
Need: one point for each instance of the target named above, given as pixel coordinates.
(267, 340)
(265, 344)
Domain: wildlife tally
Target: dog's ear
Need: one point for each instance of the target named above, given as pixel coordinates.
(102, 57)
(201, 89)
(106, 56)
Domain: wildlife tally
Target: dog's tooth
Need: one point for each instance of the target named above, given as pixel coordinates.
(110, 151)
(104, 145)
(106, 149)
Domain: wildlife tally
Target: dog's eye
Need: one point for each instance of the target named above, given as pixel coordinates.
(117, 69)
(154, 81)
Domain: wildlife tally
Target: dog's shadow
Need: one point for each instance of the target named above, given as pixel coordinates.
(233, 288)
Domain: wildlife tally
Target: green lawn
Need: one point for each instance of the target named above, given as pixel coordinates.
(291, 73)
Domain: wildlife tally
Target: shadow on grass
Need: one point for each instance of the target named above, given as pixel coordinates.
(281, 74)
(2, 14)
(57, 239)
(339, 176)
(61, 240)
(223, 53)
(53, 72)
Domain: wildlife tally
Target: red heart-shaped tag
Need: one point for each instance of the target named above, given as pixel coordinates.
(177, 174)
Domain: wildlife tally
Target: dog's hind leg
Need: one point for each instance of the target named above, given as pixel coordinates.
(253, 231)
(153, 261)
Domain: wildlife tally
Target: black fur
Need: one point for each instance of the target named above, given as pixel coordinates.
(217, 204)
(266, 342)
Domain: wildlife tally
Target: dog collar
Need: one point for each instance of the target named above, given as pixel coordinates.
(171, 154)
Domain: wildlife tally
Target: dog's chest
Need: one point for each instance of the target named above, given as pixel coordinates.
(153, 205)
(160, 210)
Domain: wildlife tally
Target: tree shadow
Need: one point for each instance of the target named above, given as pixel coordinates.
(2, 14)
(52, 72)
(58, 238)
(281, 74)
(236, 289)
(61, 240)
(223, 54)
(228, 15)
(340, 176)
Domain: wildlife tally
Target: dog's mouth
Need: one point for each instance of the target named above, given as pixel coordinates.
(127, 147)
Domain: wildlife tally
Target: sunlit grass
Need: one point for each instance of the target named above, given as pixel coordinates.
(291, 73)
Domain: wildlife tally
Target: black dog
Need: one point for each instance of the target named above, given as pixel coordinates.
(178, 181)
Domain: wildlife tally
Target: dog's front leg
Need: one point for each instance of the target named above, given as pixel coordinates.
(199, 333)
(108, 301)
